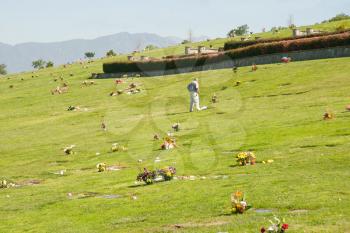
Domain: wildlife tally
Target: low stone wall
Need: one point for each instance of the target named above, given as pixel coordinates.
(248, 61)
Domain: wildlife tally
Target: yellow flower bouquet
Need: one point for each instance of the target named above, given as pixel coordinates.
(101, 167)
(245, 158)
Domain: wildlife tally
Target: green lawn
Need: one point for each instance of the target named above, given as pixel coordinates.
(276, 112)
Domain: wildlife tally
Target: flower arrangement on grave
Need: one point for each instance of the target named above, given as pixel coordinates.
(214, 99)
(133, 89)
(6, 184)
(103, 126)
(3, 184)
(167, 173)
(119, 81)
(176, 127)
(147, 176)
(245, 158)
(328, 116)
(116, 147)
(69, 150)
(73, 108)
(101, 167)
(254, 67)
(235, 69)
(118, 92)
(87, 83)
(169, 143)
(286, 59)
(277, 226)
(238, 203)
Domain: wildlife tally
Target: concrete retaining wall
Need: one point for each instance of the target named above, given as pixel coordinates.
(259, 60)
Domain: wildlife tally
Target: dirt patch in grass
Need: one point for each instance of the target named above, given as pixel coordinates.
(195, 225)
(262, 211)
(82, 195)
(110, 196)
(30, 182)
(116, 167)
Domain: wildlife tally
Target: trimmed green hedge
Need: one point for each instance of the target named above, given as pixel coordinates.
(253, 50)
(241, 44)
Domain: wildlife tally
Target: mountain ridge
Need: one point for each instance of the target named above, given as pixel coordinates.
(19, 57)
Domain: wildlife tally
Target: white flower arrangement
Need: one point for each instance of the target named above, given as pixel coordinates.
(6, 184)
(69, 150)
(116, 147)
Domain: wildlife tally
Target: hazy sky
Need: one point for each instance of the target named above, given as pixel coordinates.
(57, 20)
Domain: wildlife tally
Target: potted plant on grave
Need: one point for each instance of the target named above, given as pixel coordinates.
(101, 167)
(69, 150)
(147, 176)
(245, 158)
(167, 173)
(238, 203)
(169, 143)
(277, 226)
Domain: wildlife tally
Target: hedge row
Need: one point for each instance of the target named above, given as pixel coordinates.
(241, 44)
(253, 50)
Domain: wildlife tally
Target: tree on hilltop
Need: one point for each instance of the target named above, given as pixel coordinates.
(239, 31)
(150, 47)
(49, 64)
(39, 64)
(110, 53)
(89, 55)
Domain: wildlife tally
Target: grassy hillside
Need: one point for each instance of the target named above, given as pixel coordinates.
(217, 43)
(276, 112)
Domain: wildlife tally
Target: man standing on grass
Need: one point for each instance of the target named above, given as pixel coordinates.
(193, 88)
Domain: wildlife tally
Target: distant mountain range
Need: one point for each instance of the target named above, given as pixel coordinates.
(19, 57)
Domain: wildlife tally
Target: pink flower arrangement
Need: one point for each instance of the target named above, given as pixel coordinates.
(276, 227)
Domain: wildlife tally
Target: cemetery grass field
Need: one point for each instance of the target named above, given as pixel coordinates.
(277, 112)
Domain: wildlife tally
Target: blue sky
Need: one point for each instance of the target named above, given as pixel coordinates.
(58, 20)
